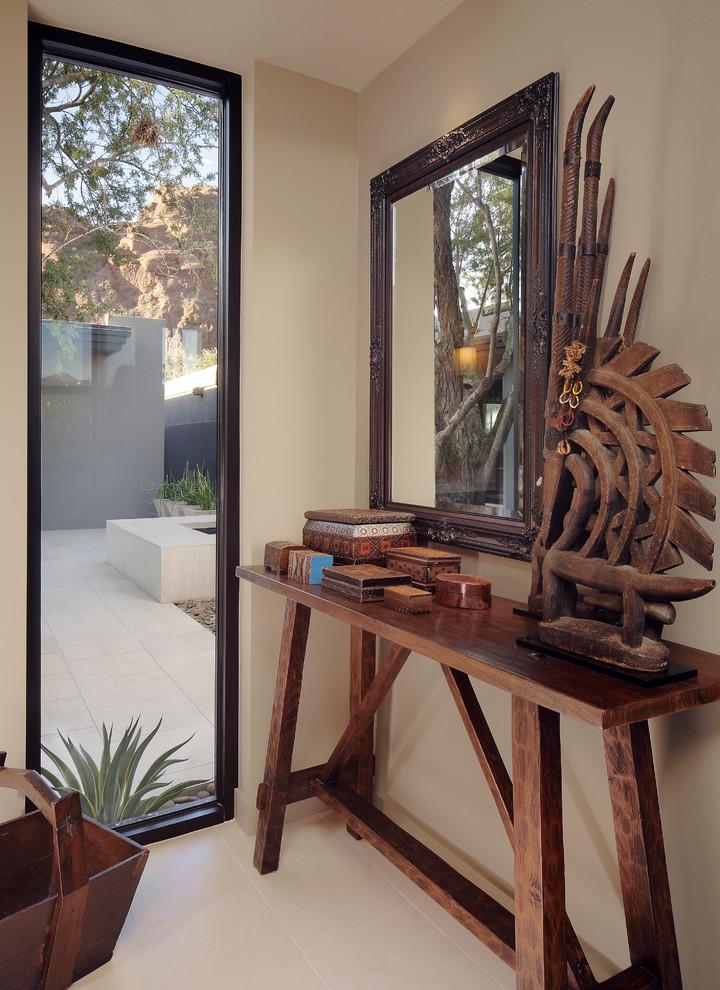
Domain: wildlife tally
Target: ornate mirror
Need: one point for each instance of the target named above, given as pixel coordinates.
(462, 248)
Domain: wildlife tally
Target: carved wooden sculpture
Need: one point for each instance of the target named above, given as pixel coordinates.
(619, 492)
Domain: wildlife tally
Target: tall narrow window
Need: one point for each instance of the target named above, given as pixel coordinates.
(131, 353)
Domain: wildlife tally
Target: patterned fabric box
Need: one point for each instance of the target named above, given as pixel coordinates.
(358, 536)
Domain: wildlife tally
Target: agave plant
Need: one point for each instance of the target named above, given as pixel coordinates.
(108, 791)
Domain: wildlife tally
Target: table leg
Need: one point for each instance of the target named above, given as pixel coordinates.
(540, 937)
(273, 792)
(641, 852)
(362, 674)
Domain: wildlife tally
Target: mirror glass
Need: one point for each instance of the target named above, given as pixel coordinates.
(458, 338)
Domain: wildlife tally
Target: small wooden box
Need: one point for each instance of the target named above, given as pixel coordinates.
(277, 555)
(362, 582)
(463, 591)
(406, 598)
(423, 564)
(307, 566)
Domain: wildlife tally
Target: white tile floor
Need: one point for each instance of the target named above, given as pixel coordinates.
(111, 653)
(336, 916)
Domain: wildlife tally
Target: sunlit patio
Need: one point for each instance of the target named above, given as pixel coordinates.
(111, 653)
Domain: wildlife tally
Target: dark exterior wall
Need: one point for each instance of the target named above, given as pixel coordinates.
(191, 432)
(103, 422)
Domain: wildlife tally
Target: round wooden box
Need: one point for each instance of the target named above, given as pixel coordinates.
(462, 591)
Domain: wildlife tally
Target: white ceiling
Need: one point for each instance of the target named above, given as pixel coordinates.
(346, 42)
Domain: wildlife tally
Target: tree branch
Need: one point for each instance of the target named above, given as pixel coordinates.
(472, 398)
(78, 101)
(501, 428)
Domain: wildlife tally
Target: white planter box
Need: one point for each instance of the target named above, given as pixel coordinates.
(168, 558)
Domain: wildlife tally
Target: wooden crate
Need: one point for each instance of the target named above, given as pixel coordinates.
(66, 886)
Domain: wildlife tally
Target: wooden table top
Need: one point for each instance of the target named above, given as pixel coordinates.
(483, 644)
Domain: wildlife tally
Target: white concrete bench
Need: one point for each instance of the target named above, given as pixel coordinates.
(168, 558)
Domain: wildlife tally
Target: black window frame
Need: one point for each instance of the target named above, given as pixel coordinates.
(227, 87)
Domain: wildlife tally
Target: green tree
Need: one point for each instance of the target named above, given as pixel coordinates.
(109, 142)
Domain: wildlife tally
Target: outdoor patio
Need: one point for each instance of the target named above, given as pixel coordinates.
(111, 653)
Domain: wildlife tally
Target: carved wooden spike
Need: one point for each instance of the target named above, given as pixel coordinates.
(633, 315)
(587, 254)
(590, 317)
(602, 247)
(562, 332)
(603, 238)
(618, 304)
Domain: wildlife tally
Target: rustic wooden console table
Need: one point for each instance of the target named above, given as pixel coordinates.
(538, 941)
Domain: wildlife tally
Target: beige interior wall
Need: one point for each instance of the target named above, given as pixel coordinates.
(658, 58)
(299, 379)
(413, 361)
(13, 395)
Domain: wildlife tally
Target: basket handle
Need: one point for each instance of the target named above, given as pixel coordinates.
(69, 867)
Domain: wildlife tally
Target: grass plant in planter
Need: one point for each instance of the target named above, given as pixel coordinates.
(199, 490)
(110, 791)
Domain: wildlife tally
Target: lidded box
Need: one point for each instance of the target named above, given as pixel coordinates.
(355, 536)
(424, 564)
(362, 582)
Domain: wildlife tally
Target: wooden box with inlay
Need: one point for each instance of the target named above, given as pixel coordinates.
(408, 599)
(423, 564)
(277, 555)
(307, 566)
(362, 582)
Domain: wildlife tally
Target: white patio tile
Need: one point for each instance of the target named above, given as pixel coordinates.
(58, 687)
(209, 712)
(199, 688)
(120, 665)
(99, 646)
(53, 663)
(174, 709)
(48, 644)
(190, 664)
(102, 637)
(135, 688)
(67, 714)
(154, 619)
(124, 592)
(161, 646)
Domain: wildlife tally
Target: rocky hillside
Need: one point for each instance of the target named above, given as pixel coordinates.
(162, 266)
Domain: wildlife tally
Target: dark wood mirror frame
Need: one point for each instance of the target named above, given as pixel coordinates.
(531, 111)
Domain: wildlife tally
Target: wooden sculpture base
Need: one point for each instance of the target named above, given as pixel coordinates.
(675, 670)
(538, 940)
(604, 643)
